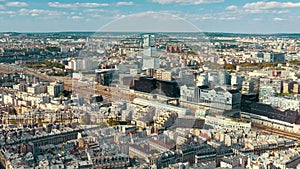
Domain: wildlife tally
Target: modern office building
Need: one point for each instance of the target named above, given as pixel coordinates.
(273, 113)
(145, 84)
(150, 63)
(247, 100)
(224, 77)
(105, 77)
(55, 88)
(236, 80)
(272, 56)
(220, 98)
(148, 40)
(157, 86)
(187, 93)
(150, 60)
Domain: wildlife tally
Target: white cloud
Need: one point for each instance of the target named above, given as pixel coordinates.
(187, 2)
(278, 19)
(76, 5)
(207, 17)
(86, 5)
(92, 5)
(60, 5)
(271, 5)
(232, 18)
(17, 4)
(260, 11)
(77, 17)
(37, 12)
(2, 7)
(125, 3)
(95, 10)
(232, 8)
(8, 12)
(262, 7)
(235, 9)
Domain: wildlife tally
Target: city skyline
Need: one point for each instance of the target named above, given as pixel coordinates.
(209, 16)
(173, 99)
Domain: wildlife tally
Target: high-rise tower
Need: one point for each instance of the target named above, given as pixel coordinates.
(150, 60)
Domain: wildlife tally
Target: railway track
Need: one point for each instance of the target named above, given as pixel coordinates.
(285, 134)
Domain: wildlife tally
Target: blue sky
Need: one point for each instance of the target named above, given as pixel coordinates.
(240, 16)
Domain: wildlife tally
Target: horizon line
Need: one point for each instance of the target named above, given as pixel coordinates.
(89, 31)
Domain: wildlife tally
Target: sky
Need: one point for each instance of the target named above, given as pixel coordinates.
(232, 16)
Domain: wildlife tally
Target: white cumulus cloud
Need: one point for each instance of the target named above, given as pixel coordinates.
(8, 12)
(86, 5)
(232, 18)
(125, 3)
(279, 19)
(92, 5)
(232, 7)
(37, 12)
(187, 2)
(76, 5)
(258, 8)
(76, 17)
(271, 5)
(17, 4)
